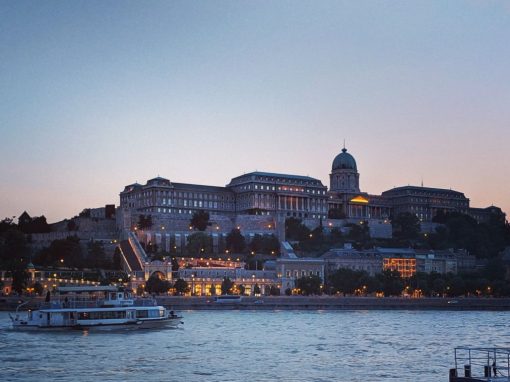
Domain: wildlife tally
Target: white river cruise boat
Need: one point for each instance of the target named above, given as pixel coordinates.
(96, 308)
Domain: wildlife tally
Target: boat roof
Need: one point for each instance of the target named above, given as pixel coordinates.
(80, 289)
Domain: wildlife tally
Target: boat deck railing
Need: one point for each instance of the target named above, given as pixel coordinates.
(485, 364)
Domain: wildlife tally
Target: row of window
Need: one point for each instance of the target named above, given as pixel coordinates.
(302, 273)
(263, 187)
(109, 315)
(177, 194)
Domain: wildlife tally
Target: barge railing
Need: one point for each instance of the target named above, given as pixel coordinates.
(481, 364)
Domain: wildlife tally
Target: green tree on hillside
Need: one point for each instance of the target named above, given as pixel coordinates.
(200, 220)
(199, 243)
(235, 241)
(406, 226)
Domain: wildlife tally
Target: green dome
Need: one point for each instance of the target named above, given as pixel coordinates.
(344, 160)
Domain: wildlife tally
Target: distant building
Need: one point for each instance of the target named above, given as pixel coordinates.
(406, 261)
(349, 258)
(346, 201)
(264, 193)
(290, 268)
(425, 202)
(24, 218)
(484, 215)
(270, 198)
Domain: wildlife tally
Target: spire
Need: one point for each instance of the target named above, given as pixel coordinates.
(344, 149)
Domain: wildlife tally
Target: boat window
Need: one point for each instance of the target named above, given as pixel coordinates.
(108, 315)
(142, 313)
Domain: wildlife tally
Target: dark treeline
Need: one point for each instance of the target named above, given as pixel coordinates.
(455, 230)
(16, 252)
(490, 281)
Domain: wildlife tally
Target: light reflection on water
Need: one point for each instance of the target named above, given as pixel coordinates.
(257, 346)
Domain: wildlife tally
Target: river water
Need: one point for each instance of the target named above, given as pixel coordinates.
(258, 346)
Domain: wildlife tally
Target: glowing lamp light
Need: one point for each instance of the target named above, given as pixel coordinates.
(359, 199)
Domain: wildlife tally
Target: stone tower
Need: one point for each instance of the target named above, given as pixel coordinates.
(344, 177)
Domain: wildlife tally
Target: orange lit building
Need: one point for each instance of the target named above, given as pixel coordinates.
(404, 265)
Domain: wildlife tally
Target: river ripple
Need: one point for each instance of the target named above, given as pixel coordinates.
(258, 346)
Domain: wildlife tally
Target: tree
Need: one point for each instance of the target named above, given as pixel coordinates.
(235, 241)
(270, 245)
(242, 289)
(288, 292)
(256, 290)
(175, 264)
(85, 213)
(7, 224)
(295, 230)
(457, 287)
(156, 285)
(38, 288)
(256, 243)
(359, 233)
(62, 252)
(439, 286)
(96, 257)
(406, 226)
(35, 225)
(274, 290)
(309, 285)
(200, 220)
(346, 281)
(199, 243)
(14, 250)
(14, 257)
(226, 285)
(495, 269)
(181, 287)
(20, 279)
(391, 282)
(212, 289)
(116, 259)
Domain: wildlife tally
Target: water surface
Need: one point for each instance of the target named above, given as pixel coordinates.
(258, 346)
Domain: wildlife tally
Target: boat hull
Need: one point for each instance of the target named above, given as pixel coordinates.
(108, 327)
(161, 323)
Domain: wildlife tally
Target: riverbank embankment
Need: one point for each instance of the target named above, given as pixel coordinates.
(337, 303)
(306, 303)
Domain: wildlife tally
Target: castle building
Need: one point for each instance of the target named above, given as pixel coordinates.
(257, 193)
(425, 202)
(265, 193)
(280, 196)
(346, 201)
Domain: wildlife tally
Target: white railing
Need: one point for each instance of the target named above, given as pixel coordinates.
(137, 248)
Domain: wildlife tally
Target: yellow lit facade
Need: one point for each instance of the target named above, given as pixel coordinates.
(405, 266)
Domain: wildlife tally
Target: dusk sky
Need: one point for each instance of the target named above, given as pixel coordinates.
(95, 95)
